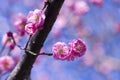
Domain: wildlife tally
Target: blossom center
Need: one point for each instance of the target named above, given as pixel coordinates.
(78, 48)
(60, 51)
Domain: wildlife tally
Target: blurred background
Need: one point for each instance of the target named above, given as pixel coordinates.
(96, 22)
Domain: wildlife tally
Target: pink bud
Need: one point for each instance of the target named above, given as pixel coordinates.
(9, 34)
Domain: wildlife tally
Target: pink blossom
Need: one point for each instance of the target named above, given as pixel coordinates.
(20, 27)
(70, 3)
(36, 17)
(77, 48)
(6, 63)
(35, 20)
(30, 28)
(60, 51)
(20, 23)
(106, 67)
(7, 40)
(81, 7)
(59, 25)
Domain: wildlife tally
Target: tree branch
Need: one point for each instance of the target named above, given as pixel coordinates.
(24, 66)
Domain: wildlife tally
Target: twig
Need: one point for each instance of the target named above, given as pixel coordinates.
(48, 54)
(2, 49)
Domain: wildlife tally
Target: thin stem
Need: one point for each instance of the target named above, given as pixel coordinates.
(13, 40)
(19, 45)
(2, 49)
(9, 51)
(28, 41)
(48, 54)
(45, 4)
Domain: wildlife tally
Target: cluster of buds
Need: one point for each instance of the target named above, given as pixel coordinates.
(75, 48)
(35, 20)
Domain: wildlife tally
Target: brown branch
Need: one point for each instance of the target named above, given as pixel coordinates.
(24, 66)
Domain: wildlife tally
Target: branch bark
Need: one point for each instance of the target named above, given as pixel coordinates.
(24, 66)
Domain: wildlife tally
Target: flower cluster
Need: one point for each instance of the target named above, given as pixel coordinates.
(35, 20)
(6, 63)
(75, 48)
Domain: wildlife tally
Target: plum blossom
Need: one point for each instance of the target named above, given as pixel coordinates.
(77, 47)
(80, 7)
(60, 51)
(34, 16)
(30, 28)
(35, 20)
(6, 63)
(20, 23)
(8, 41)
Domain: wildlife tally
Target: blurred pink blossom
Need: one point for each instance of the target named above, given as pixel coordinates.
(81, 7)
(7, 41)
(60, 50)
(97, 2)
(88, 59)
(106, 67)
(78, 6)
(69, 3)
(59, 25)
(6, 63)
(20, 23)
